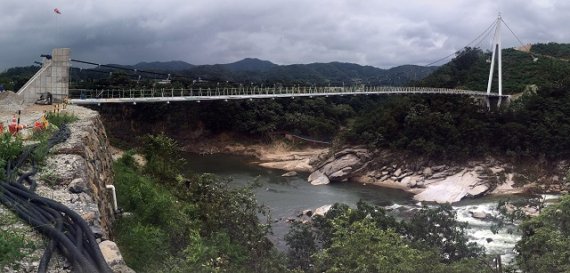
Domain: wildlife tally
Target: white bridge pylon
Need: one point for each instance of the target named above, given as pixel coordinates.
(205, 94)
(497, 54)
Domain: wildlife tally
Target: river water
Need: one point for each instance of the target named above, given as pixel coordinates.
(286, 197)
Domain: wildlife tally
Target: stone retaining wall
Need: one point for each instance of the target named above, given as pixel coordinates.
(75, 174)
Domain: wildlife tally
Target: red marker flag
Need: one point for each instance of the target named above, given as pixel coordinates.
(56, 10)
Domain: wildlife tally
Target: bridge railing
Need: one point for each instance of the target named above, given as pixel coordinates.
(261, 92)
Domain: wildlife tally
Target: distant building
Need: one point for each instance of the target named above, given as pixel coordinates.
(164, 82)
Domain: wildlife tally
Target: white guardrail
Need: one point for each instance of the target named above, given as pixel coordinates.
(84, 96)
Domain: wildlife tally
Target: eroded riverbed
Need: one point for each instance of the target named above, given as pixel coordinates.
(286, 197)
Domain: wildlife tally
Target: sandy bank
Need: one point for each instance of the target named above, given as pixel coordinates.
(277, 155)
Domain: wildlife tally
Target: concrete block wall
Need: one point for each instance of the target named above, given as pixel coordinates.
(52, 77)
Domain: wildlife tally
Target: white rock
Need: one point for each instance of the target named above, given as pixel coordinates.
(479, 215)
(111, 253)
(289, 174)
(322, 210)
(398, 172)
(78, 185)
(427, 172)
(318, 178)
(413, 182)
(453, 188)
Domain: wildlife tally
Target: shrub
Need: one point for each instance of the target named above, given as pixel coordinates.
(59, 119)
(10, 148)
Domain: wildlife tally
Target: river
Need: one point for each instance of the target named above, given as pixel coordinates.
(286, 197)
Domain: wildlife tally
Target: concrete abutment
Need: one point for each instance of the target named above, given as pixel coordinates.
(52, 77)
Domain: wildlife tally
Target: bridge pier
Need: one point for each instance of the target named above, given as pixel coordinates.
(494, 103)
(52, 77)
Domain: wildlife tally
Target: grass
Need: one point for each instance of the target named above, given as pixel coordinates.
(13, 247)
(49, 177)
(13, 244)
(10, 149)
(59, 119)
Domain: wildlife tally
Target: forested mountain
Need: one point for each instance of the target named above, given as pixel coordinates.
(164, 66)
(251, 65)
(14, 78)
(248, 71)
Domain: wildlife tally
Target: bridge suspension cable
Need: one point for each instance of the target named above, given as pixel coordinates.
(479, 38)
(139, 71)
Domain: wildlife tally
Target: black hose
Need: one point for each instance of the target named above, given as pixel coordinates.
(67, 231)
(74, 254)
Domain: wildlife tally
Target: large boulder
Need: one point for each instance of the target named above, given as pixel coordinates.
(481, 215)
(427, 172)
(340, 166)
(318, 178)
(322, 210)
(453, 188)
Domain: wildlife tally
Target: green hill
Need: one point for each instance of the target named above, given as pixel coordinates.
(534, 126)
(14, 78)
(333, 73)
(470, 69)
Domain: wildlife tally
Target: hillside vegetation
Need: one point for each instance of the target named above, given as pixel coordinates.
(16, 77)
(535, 125)
(470, 69)
(202, 223)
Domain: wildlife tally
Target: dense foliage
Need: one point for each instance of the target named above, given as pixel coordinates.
(555, 50)
(14, 78)
(319, 118)
(470, 70)
(195, 224)
(534, 125)
(545, 240)
(202, 224)
(366, 239)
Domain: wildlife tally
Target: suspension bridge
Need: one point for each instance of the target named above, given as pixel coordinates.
(54, 77)
(241, 93)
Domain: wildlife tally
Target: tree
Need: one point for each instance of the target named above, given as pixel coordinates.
(366, 239)
(545, 240)
(362, 247)
(438, 228)
(163, 157)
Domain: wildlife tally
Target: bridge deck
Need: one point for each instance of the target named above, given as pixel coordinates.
(199, 94)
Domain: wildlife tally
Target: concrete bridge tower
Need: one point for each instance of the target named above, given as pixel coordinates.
(52, 77)
(497, 54)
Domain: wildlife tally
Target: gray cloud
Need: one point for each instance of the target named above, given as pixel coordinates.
(378, 33)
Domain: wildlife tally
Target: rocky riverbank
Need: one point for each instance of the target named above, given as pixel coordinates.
(277, 155)
(433, 183)
(441, 183)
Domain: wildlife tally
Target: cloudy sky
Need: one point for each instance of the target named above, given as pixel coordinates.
(381, 33)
